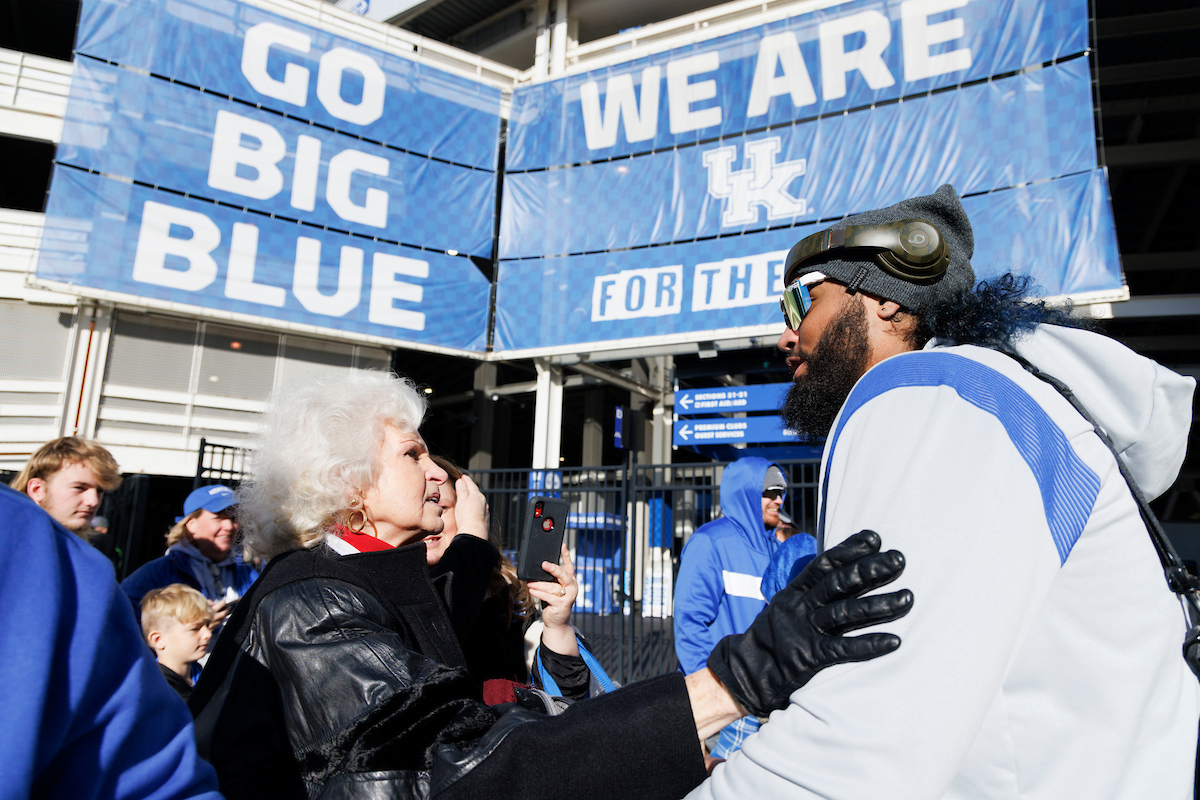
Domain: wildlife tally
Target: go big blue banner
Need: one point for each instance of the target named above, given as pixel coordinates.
(658, 197)
(230, 158)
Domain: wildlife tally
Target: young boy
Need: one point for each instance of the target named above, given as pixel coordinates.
(175, 622)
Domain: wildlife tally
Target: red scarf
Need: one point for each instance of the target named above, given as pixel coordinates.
(362, 542)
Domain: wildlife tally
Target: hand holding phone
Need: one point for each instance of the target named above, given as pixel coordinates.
(541, 537)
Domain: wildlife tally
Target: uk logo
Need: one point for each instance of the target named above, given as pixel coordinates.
(762, 183)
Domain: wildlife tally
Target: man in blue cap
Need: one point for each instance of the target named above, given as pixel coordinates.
(199, 553)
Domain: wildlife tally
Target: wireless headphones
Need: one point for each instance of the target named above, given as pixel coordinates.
(912, 250)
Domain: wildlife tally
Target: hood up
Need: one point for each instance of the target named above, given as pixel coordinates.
(1145, 408)
(741, 499)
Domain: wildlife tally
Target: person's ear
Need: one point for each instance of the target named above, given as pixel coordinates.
(155, 640)
(888, 309)
(36, 489)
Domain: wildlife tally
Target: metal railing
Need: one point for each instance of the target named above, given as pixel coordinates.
(37, 87)
(626, 531)
(219, 463)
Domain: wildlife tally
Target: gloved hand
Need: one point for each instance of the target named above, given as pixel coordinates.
(800, 632)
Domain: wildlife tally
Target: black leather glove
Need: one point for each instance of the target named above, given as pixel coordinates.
(800, 632)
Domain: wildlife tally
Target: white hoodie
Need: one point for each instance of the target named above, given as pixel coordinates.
(1042, 658)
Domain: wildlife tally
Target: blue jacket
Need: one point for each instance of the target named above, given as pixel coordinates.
(86, 710)
(175, 567)
(789, 561)
(720, 572)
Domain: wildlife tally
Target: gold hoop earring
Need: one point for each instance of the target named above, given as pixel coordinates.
(357, 507)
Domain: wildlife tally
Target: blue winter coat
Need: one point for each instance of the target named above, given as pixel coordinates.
(720, 572)
(86, 710)
(174, 567)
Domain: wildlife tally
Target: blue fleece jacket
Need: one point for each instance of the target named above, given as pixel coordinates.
(176, 567)
(718, 589)
(87, 713)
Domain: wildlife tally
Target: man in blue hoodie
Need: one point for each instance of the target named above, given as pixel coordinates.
(718, 591)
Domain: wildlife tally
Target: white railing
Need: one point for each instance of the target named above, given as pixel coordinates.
(33, 94)
(20, 235)
(707, 23)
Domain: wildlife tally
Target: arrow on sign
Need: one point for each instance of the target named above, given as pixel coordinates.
(685, 431)
(686, 402)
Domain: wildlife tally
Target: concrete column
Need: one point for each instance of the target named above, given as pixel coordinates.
(593, 428)
(661, 377)
(484, 411)
(644, 406)
(541, 47)
(547, 424)
(558, 41)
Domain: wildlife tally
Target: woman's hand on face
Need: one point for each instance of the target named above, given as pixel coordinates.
(471, 508)
(557, 598)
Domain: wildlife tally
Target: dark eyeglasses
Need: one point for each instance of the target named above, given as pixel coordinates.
(774, 494)
(796, 300)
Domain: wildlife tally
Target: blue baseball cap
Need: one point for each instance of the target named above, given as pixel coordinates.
(215, 498)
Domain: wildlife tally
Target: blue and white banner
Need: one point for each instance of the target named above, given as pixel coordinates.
(1060, 232)
(135, 241)
(245, 52)
(656, 199)
(841, 55)
(992, 135)
(232, 159)
(127, 124)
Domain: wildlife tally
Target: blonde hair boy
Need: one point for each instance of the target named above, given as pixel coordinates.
(175, 623)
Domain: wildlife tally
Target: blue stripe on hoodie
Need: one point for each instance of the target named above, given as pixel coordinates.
(736, 543)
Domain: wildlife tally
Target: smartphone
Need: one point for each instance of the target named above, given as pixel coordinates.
(542, 537)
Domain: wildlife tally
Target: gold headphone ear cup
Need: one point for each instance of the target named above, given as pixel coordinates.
(896, 267)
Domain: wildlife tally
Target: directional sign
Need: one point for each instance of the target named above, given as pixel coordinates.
(749, 430)
(763, 397)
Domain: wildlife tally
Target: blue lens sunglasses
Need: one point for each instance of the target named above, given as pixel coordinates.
(796, 300)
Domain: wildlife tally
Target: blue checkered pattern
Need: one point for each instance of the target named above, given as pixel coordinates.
(124, 123)
(984, 137)
(1061, 232)
(426, 110)
(734, 735)
(546, 127)
(91, 237)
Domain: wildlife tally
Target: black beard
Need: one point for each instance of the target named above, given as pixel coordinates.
(839, 360)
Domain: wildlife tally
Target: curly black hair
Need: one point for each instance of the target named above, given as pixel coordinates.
(991, 315)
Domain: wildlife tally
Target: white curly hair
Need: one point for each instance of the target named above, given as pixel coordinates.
(318, 444)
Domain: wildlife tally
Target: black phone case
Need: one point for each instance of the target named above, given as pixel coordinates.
(541, 543)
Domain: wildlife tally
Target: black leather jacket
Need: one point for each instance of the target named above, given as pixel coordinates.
(341, 676)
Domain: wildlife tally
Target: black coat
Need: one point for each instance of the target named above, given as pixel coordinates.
(341, 676)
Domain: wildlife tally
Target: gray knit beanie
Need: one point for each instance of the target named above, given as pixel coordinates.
(941, 208)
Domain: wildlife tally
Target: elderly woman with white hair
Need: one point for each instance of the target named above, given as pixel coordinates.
(341, 673)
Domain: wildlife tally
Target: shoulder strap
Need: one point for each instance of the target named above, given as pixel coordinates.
(550, 686)
(1182, 582)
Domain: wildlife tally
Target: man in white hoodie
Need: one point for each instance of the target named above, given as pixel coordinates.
(1043, 659)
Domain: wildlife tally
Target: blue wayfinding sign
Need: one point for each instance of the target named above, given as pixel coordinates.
(232, 159)
(724, 430)
(761, 397)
